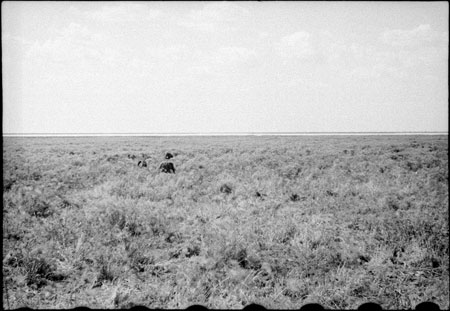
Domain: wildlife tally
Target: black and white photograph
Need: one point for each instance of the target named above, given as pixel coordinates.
(225, 154)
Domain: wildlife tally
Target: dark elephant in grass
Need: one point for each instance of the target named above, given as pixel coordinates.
(144, 163)
(167, 167)
(168, 156)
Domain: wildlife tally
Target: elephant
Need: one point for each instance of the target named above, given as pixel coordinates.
(167, 167)
(142, 163)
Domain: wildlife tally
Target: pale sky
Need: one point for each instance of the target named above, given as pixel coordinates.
(177, 67)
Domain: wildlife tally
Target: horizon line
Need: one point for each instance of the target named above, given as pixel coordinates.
(222, 133)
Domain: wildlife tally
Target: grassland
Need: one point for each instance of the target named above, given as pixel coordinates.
(277, 221)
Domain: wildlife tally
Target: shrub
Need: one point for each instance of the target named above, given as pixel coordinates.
(117, 218)
(413, 166)
(39, 208)
(38, 272)
(294, 197)
(225, 188)
(138, 261)
(105, 272)
(36, 176)
(134, 228)
(7, 184)
(156, 226)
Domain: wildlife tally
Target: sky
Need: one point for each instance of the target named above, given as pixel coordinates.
(202, 67)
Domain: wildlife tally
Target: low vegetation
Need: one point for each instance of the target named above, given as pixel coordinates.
(277, 221)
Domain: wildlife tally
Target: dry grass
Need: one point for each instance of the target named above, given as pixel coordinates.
(277, 221)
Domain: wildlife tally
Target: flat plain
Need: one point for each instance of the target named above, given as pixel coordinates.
(280, 221)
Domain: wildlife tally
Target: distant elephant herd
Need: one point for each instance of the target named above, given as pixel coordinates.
(164, 167)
